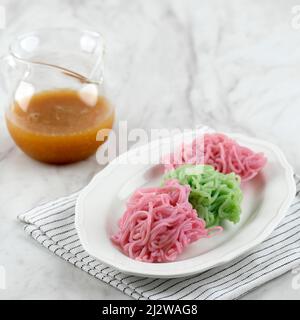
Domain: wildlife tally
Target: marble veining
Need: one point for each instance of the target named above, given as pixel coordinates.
(233, 65)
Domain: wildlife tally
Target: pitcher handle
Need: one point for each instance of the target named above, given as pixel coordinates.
(11, 73)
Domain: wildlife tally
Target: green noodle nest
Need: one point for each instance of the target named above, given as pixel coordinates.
(215, 196)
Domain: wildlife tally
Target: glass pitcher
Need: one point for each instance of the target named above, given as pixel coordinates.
(54, 94)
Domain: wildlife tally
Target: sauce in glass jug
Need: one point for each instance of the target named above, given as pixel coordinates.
(59, 126)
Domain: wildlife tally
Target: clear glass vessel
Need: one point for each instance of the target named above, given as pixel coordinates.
(54, 96)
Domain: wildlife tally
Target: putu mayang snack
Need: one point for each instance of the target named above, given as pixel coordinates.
(219, 151)
(192, 202)
(159, 223)
(215, 196)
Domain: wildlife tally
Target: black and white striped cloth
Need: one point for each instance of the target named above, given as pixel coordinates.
(52, 225)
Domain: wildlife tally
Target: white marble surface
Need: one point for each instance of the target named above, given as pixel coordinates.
(233, 65)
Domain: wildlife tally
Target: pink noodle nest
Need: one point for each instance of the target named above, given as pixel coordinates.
(159, 223)
(219, 151)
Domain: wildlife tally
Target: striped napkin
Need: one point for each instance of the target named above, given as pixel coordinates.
(52, 225)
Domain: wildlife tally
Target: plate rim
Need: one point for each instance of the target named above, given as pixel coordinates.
(227, 257)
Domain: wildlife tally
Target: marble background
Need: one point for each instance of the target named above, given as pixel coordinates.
(233, 65)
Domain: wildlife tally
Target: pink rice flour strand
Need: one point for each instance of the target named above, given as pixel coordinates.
(219, 151)
(159, 223)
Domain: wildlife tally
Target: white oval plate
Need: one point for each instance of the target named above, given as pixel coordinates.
(100, 205)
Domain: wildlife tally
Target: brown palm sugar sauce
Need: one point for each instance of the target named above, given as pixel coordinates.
(58, 126)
